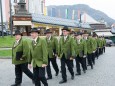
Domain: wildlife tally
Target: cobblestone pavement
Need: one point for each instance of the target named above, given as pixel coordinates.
(103, 73)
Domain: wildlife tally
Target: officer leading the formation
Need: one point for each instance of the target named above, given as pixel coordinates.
(66, 54)
(38, 57)
(20, 51)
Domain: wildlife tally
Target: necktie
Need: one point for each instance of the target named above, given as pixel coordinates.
(48, 39)
(64, 38)
(78, 41)
(34, 42)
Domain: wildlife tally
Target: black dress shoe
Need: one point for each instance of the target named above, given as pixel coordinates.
(72, 77)
(91, 67)
(93, 63)
(60, 71)
(84, 71)
(88, 65)
(57, 73)
(62, 81)
(16, 85)
(49, 78)
(78, 74)
(33, 81)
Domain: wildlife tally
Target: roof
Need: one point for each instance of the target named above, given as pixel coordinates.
(54, 21)
(85, 25)
(105, 34)
(87, 18)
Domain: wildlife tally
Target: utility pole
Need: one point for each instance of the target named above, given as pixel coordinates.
(1, 18)
(11, 26)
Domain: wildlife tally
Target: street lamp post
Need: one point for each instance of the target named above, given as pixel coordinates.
(11, 26)
(1, 18)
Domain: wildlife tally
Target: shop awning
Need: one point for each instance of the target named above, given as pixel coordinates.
(22, 23)
(106, 34)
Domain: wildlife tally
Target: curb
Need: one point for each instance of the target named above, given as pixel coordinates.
(5, 57)
(5, 47)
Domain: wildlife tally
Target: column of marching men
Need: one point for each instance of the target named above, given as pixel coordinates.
(40, 53)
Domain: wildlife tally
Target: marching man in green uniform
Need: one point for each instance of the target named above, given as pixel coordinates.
(97, 50)
(104, 43)
(81, 52)
(20, 51)
(89, 43)
(52, 47)
(94, 48)
(38, 57)
(90, 50)
(100, 45)
(66, 54)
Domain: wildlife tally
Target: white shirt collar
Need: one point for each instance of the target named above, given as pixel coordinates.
(65, 37)
(36, 39)
(85, 38)
(49, 38)
(78, 40)
(18, 40)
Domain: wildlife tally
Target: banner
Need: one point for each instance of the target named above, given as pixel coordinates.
(45, 11)
(66, 13)
(73, 15)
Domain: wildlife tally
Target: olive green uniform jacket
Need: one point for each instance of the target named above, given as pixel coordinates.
(38, 53)
(94, 44)
(80, 48)
(104, 42)
(100, 43)
(21, 46)
(90, 45)
(52, 46)
(66, 47)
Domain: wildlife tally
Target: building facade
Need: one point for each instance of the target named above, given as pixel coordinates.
(5, 13)
(32, 6)
(36, 6)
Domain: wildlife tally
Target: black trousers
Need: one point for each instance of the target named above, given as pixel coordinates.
(54, 64)
(89, 58)
(39, 76)
(93, 58)
(19, 69)
(100, 51)
(69, 64)
(80, 60)
(85, 61)
(104, 49)
(97, 53)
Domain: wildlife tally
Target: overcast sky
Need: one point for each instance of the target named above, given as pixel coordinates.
(107, 6)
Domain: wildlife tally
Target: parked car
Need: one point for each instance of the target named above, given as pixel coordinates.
(5, 33)
(109, 42)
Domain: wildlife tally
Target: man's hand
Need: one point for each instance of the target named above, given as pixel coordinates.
(93, 51)
(55, 55)
(71, 58)
(21, 59)
(84, 56)
(44, 65)
(29, 66)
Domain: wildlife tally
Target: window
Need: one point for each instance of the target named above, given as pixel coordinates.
(15, 1)
(22, 6)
